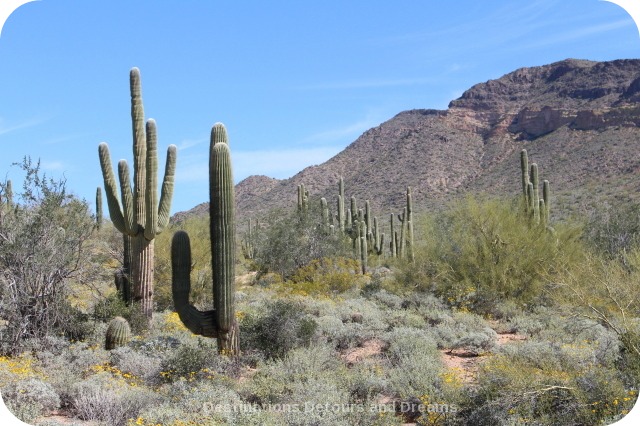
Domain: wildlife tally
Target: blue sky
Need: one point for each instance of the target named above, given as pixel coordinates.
(294, 82)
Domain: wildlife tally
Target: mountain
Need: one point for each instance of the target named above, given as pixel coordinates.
(578, 120)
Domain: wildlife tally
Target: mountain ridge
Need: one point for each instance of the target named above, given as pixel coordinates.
(578, 119)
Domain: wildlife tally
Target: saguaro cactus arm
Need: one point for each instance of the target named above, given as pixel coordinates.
(166, 192)
(198, 322)
(110, 187)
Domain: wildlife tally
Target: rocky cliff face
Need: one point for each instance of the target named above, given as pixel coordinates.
(578, 119)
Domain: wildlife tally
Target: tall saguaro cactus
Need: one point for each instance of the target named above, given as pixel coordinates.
(220, 322)
(139, 215)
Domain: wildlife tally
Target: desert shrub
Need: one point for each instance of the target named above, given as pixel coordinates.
(606, 292)
(541, 382)
(387, 299)
(203, 402)
(279, 326)
(366, 382)
(328, 275)
(41, 251)
(113, 306)
(136, 363)
(614, 229)
(188, 360)
(465, 331)
(101, 399)
(292, 240)
(480, 252)
(348, 323)
(414, 363)
(30, 398)
(305, 379)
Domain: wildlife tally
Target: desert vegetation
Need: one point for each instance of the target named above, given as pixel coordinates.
(488, 311)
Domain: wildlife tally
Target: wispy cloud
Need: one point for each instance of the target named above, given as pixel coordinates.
(189, 143)
(349, 131)
(61, 139)
(577, 34)
(4, 128)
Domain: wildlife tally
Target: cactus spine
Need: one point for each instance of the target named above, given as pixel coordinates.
(220, 322)
(140, 216)
(118, 333)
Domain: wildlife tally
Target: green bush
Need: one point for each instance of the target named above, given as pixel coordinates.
(188, 360)
(479, 253)
(276, 328)
(291, 240)
(113, 306)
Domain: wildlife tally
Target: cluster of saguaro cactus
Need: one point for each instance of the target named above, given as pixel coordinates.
(303, 198)
(538, 208)
(248, 246)
(363, 228)
(118, 333)
(140, 217)
(220, 322)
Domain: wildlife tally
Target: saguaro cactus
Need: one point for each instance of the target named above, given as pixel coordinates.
(303, 198)
(409, 220)
(220, 322)
(524, 169)
(98, 208)
(341, 218)
(118, 333)
(140, 215)
(537, 208)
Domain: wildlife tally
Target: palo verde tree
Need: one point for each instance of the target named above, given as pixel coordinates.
(139, 216)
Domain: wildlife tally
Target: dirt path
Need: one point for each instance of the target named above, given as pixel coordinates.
(466, 364)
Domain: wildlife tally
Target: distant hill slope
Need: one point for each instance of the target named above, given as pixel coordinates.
(578, 120)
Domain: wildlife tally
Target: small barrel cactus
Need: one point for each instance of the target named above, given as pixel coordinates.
(118, 333)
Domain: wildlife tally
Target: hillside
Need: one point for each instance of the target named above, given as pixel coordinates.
(578, 120)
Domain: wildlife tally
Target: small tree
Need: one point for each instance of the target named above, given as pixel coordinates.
(41, 249)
